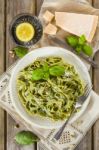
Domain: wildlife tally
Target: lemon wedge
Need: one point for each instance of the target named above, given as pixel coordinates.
(25, 32)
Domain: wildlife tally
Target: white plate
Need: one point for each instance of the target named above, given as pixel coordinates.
(29, 58)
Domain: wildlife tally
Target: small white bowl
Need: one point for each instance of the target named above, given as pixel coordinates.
(31, 57)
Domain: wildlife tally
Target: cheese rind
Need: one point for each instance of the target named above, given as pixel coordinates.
(77, 24)
(48, 16)
(93, 28)
(50, 29)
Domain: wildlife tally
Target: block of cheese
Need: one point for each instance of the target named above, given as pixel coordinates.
(77, 24)
(48, 16)
(50, 29)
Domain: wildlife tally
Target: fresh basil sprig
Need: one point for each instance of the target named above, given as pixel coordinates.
(38, 74)
(82, 40)
(45, 72)
(87, 49)
(72, 40)
(41, 73)
(20, 51)
(80, 44)
(26, 138)
(57, 70)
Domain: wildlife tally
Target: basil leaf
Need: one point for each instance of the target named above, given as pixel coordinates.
(82, 40)
(20, 51)
(41, 73)
(46, 75)
(87, 49)
(45, 67)
(78, 49)
(57, 70)
(80, 44)
(37, 74)
(46, 71)
(72, 40)
(26, 138)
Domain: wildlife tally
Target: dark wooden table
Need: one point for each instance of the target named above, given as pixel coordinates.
(8, 10)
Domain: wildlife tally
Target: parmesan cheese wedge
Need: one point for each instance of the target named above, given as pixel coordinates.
(48, 16)
(77, 24)
(50, 29)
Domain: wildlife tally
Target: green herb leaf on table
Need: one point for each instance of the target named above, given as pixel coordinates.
(82, 40)
(57, 70)
(80, 44)
(87, 49)
(78, 48)
(26, 138)
(20, 51)
(72, 40)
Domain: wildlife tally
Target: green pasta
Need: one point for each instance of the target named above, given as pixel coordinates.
(49, 95)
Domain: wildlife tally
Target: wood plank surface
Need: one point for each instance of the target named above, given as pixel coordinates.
(90, 1)
(14, 128)
(96, 88)
(2, 59)
(95, 3)
(38, 6)
(86, 143)
(13, 8)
